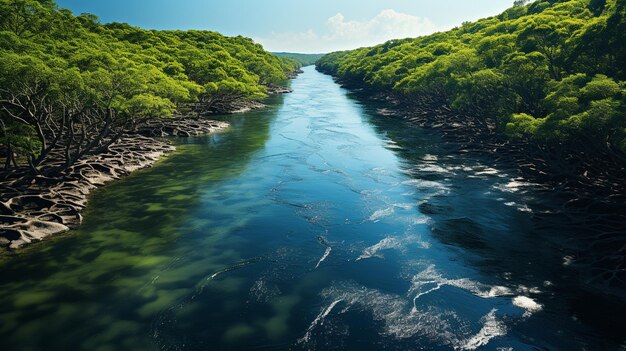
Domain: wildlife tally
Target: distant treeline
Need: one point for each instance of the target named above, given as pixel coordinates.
(303, 59)
(70, 83)
(550, 71)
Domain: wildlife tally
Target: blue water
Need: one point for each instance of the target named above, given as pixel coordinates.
(316, 224)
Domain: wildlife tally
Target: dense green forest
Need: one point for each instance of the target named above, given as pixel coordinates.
(70, 82)
(303, 59)
(551, 71)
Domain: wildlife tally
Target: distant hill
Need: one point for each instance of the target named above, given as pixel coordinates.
(304, 59)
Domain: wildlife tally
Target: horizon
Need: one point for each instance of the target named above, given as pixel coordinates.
(327, 27)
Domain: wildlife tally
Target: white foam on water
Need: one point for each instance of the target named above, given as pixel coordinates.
(421, 293)
(401, 320)
(319, 320)
(424, 244)
(390, 144)
(429, 157)
(442, 327)
(524, 290)
(378, 172)
(513, 186)
(422, 281)
(385, 244)
(432, 168)
(370, 193)
(429, 187)
(425, 184)
(492, 328)
(326, 253)
(521, 208)
(488, 171)
(527, 304)
(392, 242)
(404, 206)
(377, 215)
(420, 220)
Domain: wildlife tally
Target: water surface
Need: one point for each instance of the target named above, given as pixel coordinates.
(315, 224)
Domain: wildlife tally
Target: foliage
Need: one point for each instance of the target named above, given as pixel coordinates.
(302, 59)
(552, 70)
(70, 82)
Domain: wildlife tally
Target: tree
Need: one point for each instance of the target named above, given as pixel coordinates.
(551, 70)
(71, 85)
(25, 17)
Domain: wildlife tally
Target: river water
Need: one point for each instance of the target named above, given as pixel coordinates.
(315, 224)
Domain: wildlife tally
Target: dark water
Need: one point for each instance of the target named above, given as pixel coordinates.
(316, 224)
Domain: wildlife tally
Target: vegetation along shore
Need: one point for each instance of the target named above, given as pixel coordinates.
(541, 86)
(82, 103)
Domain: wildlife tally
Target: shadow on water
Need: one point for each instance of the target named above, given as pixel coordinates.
(515, 230)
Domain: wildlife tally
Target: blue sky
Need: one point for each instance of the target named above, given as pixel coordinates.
(298, 26)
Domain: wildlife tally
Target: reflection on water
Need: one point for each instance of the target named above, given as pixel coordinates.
(317, 224)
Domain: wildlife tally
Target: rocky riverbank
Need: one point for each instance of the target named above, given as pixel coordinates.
(33, 208)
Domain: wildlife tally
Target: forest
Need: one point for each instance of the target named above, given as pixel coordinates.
(303, 59)
(550, 72)
(73, 84)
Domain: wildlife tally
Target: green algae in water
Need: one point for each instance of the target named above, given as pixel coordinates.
(128, 249)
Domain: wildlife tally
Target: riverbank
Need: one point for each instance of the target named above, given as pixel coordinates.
(563, 167)
(591, 188)
(238, 105)
(34, 207)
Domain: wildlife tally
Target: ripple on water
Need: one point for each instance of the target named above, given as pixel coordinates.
(382, 213)
(492, 328)
(460, 232)
(514, 186)
(432, 326)
(392, 242)
(430, 280)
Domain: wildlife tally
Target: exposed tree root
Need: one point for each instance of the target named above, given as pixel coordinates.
(33, 207)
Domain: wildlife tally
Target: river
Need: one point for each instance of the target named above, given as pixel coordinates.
(315, 224)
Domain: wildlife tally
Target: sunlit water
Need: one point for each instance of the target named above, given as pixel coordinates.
(315, 224)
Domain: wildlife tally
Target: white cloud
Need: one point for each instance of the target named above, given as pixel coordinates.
(343, 34)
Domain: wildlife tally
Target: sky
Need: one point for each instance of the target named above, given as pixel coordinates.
(313, 26)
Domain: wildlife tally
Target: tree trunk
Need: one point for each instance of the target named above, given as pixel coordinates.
(9, 160)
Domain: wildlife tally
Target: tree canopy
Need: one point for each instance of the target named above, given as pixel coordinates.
(551, 70)
(71, 82)
(303, 59)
